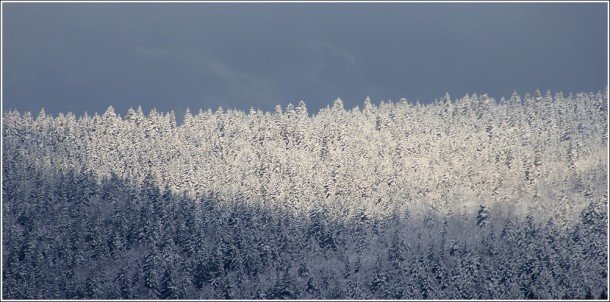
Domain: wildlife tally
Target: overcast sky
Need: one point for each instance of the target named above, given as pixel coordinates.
(84, 57)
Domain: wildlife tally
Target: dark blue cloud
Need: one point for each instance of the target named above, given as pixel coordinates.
(84, 57)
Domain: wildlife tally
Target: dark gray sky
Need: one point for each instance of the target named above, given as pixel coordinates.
(84, 57)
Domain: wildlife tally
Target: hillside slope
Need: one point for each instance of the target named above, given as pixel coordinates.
(471, 198)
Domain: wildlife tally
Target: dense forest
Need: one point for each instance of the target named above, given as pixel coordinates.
(470, 198)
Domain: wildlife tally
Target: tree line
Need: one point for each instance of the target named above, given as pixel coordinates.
(460, 199)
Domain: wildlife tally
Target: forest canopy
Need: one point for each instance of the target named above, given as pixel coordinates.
(471, 198)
